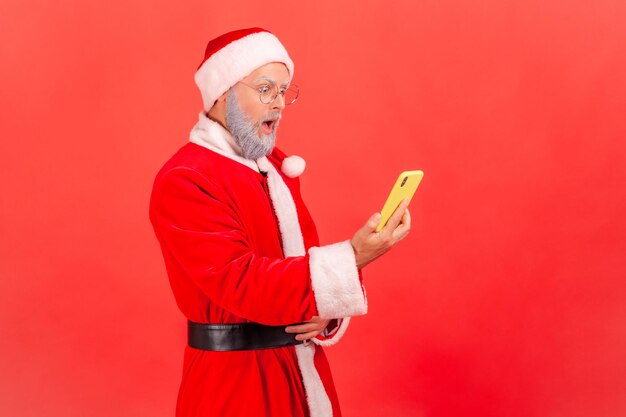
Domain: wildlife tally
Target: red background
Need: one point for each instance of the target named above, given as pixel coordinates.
(507, 298)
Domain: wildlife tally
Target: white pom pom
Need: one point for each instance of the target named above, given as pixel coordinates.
(293, 166)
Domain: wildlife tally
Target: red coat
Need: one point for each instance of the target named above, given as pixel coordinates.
(223, 250)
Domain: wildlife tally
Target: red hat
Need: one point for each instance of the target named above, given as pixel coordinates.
(232, 56)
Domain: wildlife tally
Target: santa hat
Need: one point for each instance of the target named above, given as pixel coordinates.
(234, 55)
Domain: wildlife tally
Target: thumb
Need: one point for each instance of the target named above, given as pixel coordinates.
(373, 222)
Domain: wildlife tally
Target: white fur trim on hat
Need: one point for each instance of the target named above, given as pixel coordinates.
(293, 166)
(235, 61)
(335, 281)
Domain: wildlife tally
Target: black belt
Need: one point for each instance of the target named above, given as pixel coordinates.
(242, 336)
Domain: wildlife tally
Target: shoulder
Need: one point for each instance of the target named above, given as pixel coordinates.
(198, 162)
(197, 158)
(199, 177)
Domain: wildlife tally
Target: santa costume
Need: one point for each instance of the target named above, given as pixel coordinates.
(240, 246)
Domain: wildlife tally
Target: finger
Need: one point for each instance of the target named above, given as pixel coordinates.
(312, 324)
(395, 218)
(371, 223)
(405, 222)
(301, 328)
(404, 226)
(400, 233)
(308, 335)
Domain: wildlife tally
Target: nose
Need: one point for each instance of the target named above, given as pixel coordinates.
(279, 102)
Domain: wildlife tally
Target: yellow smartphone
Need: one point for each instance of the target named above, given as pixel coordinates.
(405, 186)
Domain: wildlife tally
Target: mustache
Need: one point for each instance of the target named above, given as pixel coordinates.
(272, 116)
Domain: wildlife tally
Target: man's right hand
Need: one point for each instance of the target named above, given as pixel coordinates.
(369, 245)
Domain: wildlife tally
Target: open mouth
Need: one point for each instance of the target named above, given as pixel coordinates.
(268, 125)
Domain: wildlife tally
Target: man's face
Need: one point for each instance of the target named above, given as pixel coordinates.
(251, 122)
(274, 73)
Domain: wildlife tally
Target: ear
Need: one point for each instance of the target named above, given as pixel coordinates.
(218, 111)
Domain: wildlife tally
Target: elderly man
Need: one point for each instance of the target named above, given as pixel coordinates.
(260, 295)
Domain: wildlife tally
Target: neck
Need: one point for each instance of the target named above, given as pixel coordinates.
(211, 115)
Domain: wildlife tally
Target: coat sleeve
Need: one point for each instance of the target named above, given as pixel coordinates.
(336, 281)
(199, 228)
(337, 326)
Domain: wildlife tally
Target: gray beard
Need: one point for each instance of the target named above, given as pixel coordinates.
(245, 132)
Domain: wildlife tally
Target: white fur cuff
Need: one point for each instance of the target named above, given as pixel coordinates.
(335, 280)
(335, 335)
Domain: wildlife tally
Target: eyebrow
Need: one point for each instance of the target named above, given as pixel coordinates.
(266, 78)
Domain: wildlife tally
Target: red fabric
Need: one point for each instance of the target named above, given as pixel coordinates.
(218, 43)
(222, 250)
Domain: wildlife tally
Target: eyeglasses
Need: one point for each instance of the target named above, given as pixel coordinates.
(269, 92)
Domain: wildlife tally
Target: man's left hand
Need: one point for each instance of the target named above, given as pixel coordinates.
(310, 329)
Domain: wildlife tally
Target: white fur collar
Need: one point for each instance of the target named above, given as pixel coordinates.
(212, 135)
